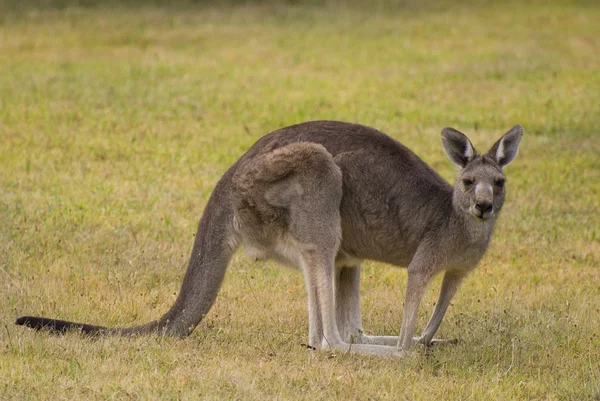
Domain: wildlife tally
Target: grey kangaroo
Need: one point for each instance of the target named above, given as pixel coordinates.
(322, 197)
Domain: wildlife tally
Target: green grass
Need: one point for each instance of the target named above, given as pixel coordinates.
(116, 121)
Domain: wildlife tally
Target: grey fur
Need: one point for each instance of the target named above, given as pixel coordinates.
(322, 197)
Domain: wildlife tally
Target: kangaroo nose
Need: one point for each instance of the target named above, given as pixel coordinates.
(484, 207)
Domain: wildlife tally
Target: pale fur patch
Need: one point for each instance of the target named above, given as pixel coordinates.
(500, 151)
(468, 154)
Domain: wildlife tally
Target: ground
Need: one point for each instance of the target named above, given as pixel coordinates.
(117, 119)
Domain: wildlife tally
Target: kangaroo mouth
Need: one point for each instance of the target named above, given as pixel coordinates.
(488, 214)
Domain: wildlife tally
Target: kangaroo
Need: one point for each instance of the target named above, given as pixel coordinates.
(322, 197)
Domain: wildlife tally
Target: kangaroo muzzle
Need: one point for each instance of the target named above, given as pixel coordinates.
(484, 201)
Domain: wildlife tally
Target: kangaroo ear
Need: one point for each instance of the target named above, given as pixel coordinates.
(505, 150)
(457, 146)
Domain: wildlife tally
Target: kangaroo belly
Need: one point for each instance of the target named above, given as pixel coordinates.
(285, 250)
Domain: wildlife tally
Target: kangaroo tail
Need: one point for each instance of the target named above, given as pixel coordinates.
(214, 245)
(58, 326)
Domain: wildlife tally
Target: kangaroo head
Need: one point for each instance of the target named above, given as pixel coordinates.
(479, 188)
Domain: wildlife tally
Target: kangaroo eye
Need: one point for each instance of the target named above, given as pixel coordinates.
(500, 183)
(467, 183)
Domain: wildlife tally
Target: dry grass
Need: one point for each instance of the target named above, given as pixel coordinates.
(116, 121)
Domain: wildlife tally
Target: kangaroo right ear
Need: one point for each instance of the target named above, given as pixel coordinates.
(457, 146)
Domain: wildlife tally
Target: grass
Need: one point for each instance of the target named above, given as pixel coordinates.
(117, 120)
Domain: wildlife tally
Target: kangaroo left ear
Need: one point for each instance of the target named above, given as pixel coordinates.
(505, 150)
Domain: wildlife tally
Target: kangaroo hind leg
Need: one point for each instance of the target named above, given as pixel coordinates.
(287, 206)
(347, 303)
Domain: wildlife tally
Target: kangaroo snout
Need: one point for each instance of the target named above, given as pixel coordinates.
(483, 206)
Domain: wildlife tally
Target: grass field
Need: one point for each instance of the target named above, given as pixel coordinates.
(116, 121)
